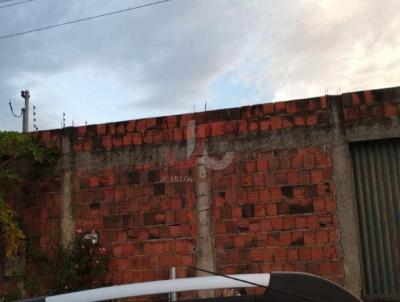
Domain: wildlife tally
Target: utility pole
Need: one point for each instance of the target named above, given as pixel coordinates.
(25, 111)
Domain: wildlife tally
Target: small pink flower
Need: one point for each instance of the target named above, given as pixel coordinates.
(94, 232)
(78, 231)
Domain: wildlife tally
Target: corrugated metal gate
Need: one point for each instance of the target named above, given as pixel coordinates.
(377, 180)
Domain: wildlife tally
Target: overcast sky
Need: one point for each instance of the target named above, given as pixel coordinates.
(172, 57)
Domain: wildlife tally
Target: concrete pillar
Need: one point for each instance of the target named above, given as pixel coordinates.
(205, 238)
(66, 208)
(345, 199)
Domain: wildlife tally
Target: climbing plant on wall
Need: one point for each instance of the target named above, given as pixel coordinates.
(13, 147)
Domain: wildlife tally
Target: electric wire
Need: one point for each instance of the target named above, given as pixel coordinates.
(82, 19)
(2, 1)
(16, 3)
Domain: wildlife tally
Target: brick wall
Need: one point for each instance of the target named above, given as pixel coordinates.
(273, 207)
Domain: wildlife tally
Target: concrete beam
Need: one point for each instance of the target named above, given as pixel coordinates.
(66, 210)
(205, 237)
(345, 197)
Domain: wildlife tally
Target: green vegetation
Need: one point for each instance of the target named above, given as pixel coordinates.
(13, 147)
(82, 267)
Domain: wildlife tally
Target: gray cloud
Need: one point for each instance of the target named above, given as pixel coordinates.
(162, 60)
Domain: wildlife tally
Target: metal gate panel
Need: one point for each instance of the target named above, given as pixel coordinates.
(377, 180)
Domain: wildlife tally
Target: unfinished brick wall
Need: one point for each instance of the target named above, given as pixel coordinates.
(273, 207)
(275, 211)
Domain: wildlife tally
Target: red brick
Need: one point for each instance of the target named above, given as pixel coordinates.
(218, 129)
(292, 177)
(247, 181)
(178, 134)
(252, 196)
(285, 238)
(322, 236)
(87, 145)
(320, 159)
(276, 193)
(276, 122)
(159, 247)
(311, 120)
(243, 127)
(94, 181)
(111, 129)
(390, 110)
(264, 194)
(309, 238)
(151, 123)
(268, 108)
(137, 138)
(291, 107)
(355, 99)
(292, 254)
(236, 212)
(262, 165)
(312, 222)
(127, 140)
(250, 166)
(368, 97)
(277, 223)
(319, 205)
(148, 137)
(330, 206)
(259, 180)
(273, 163)
(130, 127)
(203, 131)
(288, 223)
(172, 121)
(287, 122)
(141, 125)
(329, 252)
(122, 264)
(101, 129)
(121, 128)
(271, 209)
(157, 136)
(107, 142)
(316, 253)
(299, 192)
(304, 253)
(185, 119)
(324, 102)
(299, 120)
(313, 104)
(265, 124)
(81, 130)
(119, 194)
(117, 251)
(253, 126)
(280, 107)
(117, 141)
(316, 176)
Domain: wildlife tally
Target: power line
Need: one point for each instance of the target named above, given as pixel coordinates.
(82, 19)
(16, 3)
(2, 1)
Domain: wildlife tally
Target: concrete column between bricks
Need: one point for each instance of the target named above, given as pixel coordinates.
(66, 207)
(345, 199)
(205, 238)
